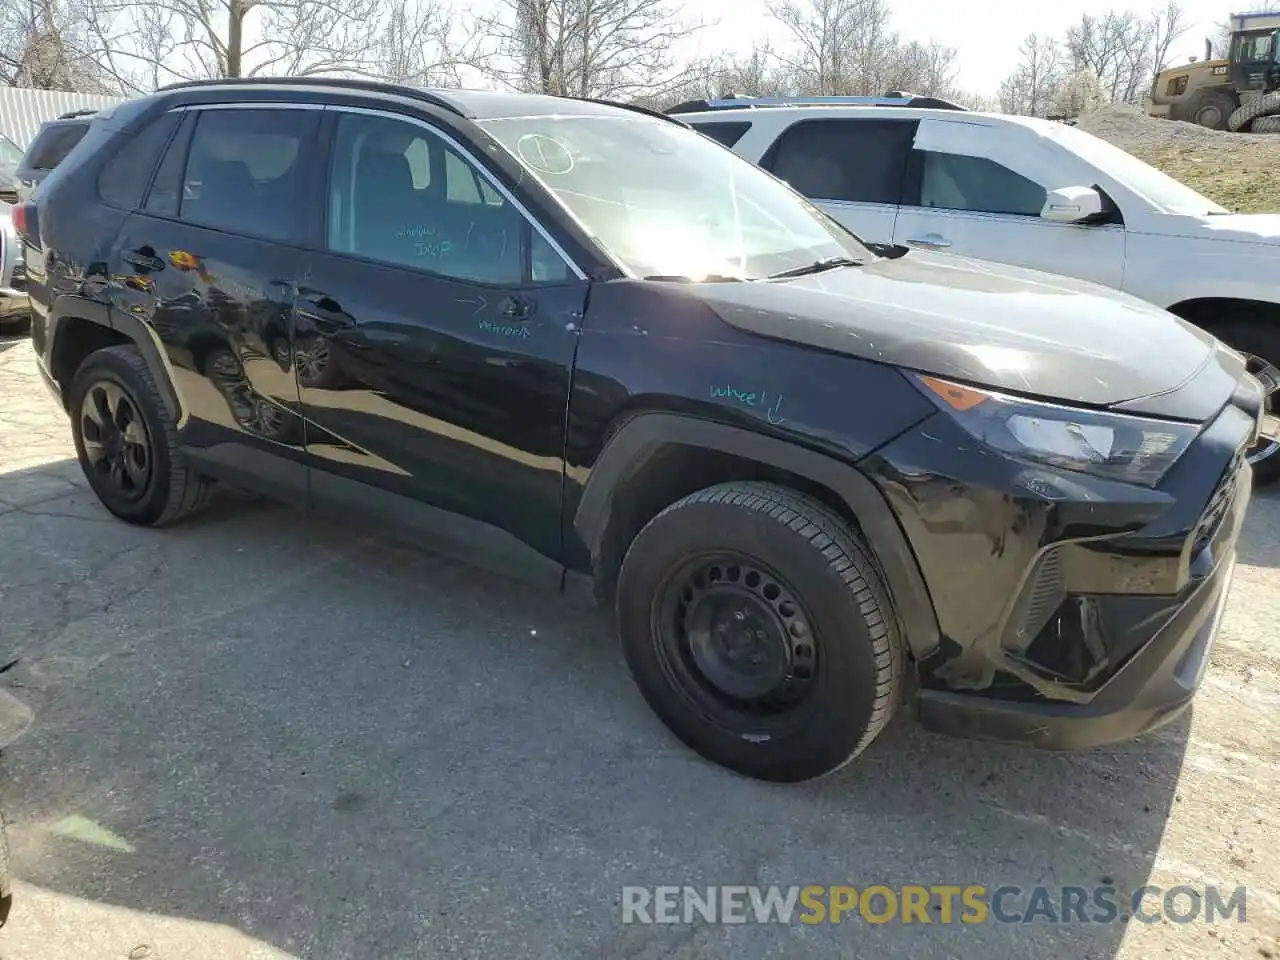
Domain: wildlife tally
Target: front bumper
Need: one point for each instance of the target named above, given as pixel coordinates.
(1080, 617)
(1153, 688)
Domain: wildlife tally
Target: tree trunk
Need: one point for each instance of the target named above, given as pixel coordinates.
(235, 36)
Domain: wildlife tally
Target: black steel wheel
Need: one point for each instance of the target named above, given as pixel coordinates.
(734, 637)
(127, 442)
(758, 630)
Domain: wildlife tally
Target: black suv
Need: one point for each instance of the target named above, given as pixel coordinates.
(581, 342)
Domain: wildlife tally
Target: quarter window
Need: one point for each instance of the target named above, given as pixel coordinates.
(123, 178)
(860, 161)
(401, 195)
(727, 132)
(951, 181)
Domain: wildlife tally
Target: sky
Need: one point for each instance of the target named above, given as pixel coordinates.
(985, 32)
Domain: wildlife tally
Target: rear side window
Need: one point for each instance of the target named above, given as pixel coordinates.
(52, 144)
(123, 179)
(240, 173)
(727, 132)
(860, 161)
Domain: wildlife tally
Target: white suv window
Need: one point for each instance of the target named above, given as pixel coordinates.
(954, 182)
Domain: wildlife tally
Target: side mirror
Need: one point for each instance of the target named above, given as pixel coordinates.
(1072, 205)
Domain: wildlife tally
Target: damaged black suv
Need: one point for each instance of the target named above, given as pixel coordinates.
(818, 481)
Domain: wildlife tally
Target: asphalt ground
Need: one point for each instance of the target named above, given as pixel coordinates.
(258, 735)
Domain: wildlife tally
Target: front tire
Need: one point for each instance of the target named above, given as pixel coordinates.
(126, 444)
(1260, 337)
(759, 632)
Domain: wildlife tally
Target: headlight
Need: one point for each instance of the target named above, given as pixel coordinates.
(1111, 445)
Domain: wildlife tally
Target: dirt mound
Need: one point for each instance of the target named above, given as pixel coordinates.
(1238, 170)
(1127, 126)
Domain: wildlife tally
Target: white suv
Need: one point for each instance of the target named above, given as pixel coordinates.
(916, 172)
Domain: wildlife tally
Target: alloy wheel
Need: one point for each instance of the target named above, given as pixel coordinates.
(117, 444)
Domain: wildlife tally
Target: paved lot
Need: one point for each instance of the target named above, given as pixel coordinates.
(257, 736)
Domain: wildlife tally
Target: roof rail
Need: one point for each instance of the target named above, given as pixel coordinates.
(373, 86)
(633, 107)
(891, 99)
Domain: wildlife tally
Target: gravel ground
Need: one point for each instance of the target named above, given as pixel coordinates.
(257, 736)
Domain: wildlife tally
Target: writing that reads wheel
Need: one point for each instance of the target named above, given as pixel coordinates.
(126, 442)
(757, 629)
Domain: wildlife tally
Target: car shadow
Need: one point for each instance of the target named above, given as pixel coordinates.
(9, 340)
(341, 746)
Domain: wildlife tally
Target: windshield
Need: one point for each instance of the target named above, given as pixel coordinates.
(1159, 189)
(10, 154)
(665, 201)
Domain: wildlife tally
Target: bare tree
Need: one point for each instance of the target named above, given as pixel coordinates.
(141, 44)
(1168, 24)
(41, 46)
(586, 48)
(928, 69)
(840, 45)
(1029, 90)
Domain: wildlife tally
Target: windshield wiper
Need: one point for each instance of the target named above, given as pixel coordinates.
(818, 266)
(682, 278)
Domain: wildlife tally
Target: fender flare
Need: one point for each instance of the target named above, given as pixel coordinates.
(638, 440)
(75, 307)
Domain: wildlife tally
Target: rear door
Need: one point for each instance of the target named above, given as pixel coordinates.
(853, 168)
(978, 191)
(210, 262)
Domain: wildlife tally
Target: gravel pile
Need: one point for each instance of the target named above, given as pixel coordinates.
(1130, 128)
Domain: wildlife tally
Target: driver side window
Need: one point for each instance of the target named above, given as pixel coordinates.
(401, 195)
(952, 181)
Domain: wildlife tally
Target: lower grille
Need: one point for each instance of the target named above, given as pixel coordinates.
(19, 279)
(9, 196)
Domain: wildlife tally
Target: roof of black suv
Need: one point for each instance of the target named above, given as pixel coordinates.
(471, 104)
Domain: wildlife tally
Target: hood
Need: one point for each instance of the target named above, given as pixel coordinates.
(1240, 227)
(994, 325)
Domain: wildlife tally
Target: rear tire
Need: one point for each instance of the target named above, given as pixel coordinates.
(1212, 109)
(1269, 124)
(133, 460)
(758, 631)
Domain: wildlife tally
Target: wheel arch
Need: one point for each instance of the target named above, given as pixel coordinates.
(79, 326)
(655, 458)
(1219, 315)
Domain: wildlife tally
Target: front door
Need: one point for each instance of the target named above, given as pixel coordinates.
(981, 196)
(209, 262)
(436, 335)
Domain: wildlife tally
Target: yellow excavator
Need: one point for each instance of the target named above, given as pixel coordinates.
(1240, 93)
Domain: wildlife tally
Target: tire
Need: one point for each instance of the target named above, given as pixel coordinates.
(1261, 338)
(169, 488)
(1212, 109)
(846, 681)
(1269, 124)
(1262, 106)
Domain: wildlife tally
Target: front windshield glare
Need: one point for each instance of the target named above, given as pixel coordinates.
(665, 201)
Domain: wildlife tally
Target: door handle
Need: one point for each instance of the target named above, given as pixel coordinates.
(930, 240)
(143, 258)
(516, 308)
(325, 314)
